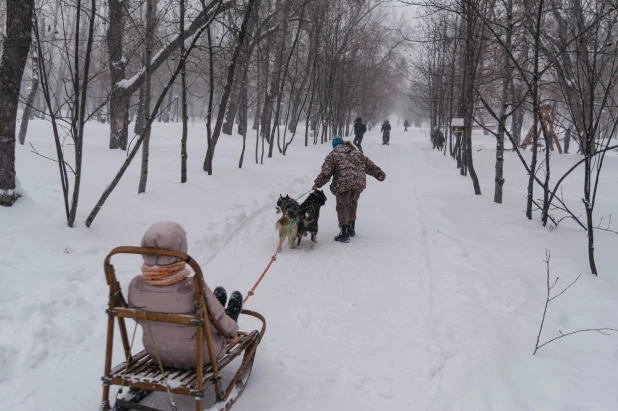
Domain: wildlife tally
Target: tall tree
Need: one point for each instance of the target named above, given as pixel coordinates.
(183, 86)
(212, 141)
(151, 13)
(17, 41)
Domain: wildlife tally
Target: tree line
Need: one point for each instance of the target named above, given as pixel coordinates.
(271, 71)
(550, 63)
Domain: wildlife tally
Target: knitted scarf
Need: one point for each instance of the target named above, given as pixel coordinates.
(165, 274)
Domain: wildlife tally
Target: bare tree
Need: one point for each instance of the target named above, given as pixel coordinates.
(212, 141)
(13, 60)
(183, 84)
(151, 14)
(80, 81)
(550, 298)
(142, 135)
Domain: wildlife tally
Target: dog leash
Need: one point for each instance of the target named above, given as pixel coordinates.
(305, 194)
(272, 260)
(251, 292)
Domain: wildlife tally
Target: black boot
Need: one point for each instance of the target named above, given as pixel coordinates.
(234, 307)
(351, 231)
(344, 235)
(220, 295)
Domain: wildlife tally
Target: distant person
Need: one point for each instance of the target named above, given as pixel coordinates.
(567, 140)
(406, 124)
(348, 167)
(386, 132)
(359, 131)
(437, 139)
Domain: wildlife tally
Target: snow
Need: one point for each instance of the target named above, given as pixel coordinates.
(435, 305)
(457, 122)
(127, 83)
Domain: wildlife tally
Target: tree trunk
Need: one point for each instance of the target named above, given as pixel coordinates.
(517, 119)
(32, 92)
(243, 119)
(471, 52)
(297, 98)
(228, 126)
(211, 89)
(271, 96)
(285, 74)
(535, 109)
(110, 188)
(227, 89)
(243, 113)
(183, 85)
(151, 14)
(123, 89)
(119, 100)
(499, 180)
(240, 84)
(17, 41)
(80, 104)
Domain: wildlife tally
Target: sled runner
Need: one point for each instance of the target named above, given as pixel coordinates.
(143, 374)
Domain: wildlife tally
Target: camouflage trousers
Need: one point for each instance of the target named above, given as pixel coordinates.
(347, 203)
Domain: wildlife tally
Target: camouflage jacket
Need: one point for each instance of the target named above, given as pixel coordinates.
(348, 167)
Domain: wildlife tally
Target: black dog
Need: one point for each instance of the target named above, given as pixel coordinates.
(309, 215)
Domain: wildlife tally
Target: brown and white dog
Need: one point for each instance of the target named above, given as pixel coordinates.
(287, 225)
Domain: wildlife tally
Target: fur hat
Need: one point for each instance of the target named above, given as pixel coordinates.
(337, 140)
(167, 235)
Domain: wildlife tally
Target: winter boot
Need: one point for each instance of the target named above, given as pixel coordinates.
(351, 231)
(234, 307)
(220, 295)
(344, 235)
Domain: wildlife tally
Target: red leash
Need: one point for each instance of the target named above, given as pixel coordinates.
(252, 291)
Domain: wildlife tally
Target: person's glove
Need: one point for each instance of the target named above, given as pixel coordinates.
(315, 187)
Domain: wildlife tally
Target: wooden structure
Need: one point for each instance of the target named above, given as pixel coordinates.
(457, 125)
(144, 374)
(545, 121)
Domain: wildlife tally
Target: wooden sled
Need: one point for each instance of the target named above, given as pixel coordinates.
(143, 374)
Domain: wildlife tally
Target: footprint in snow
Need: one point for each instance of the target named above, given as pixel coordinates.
(305, 317)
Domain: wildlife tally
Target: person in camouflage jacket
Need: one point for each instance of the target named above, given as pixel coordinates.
(348, 167)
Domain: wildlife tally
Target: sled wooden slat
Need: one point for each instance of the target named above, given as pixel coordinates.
(144, 372)
(137, 359)
(144, 369)
(243, 342)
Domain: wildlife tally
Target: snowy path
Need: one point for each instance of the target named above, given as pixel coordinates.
(435, 305)
(347, 321)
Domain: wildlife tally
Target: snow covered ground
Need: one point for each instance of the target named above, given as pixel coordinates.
(435, 305)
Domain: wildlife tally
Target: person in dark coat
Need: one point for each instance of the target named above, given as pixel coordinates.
(359, 132)
(406, 124)
(437, 139)
(348, 167)
(386, 132)
(567, 140)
